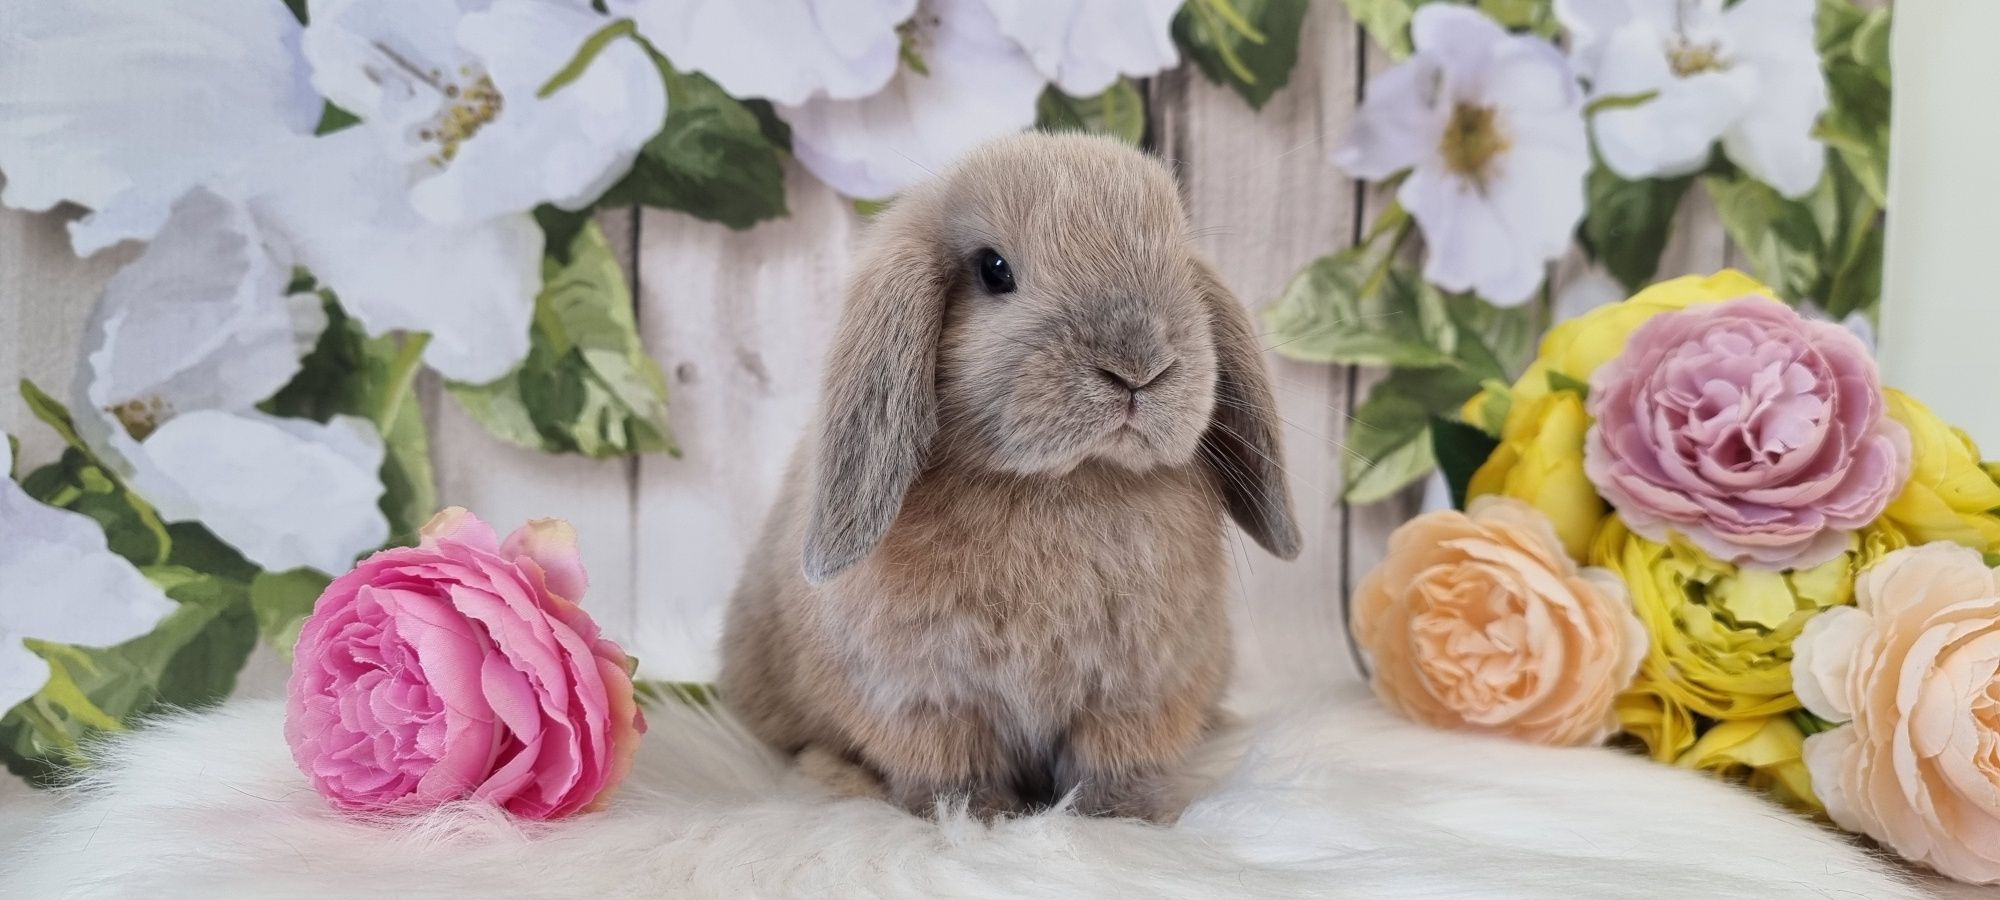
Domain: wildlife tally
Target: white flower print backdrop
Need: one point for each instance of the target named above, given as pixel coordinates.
(429, 254)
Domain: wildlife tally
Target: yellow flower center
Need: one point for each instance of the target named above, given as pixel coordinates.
(472, 106)
(1471, 140)
(141, 416)
(1689, 59)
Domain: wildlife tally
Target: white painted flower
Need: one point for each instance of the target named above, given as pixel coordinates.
(785, 51)
(59, 581)
(121, 107)
(185, 341)
(200, 320)
(470, 286)
(1489, 126)
(284, 492)
(1748, 75)
(453, 95)
(975, 84)
(1085, 45)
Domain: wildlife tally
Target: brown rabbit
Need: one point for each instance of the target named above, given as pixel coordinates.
(1039, 405)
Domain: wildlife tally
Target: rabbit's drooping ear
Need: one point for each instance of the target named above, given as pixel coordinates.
(879, 404)
(1241, 444)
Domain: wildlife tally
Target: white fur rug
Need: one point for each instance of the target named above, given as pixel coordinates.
(1329, 797)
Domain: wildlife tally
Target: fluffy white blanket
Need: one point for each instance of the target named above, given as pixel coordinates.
(1323, 796)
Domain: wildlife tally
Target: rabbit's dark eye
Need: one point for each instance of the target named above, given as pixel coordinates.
(994, 272)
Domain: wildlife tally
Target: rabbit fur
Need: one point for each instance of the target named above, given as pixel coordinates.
(996, 570)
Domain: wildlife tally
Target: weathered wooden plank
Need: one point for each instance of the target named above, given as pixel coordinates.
(741, 321)
(1698, 244)
(46, 295)
(1267, 202)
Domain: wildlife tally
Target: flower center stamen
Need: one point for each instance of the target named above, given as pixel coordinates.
(1690, 59)
(1472, 139)
(141, 416)
(471, 107)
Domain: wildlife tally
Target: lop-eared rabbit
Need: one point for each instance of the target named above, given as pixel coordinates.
(997, 566)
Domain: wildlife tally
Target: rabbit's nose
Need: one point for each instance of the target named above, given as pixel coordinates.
(1133, 378)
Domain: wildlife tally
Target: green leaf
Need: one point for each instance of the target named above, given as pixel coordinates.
(587, 385)
(1255, 62)
(1560, 382)
(189, 660)
(693, 693)
(1460, 450)
(1119, 111)
(1492, 342)
(586, 54)
(350, 373)
(1536, 16)
(280, 601)
(1323, 315)
(1387, 21)
(1389, 439)
(1627, 223)
(1781, 237)
(52, 413)
(713, 158)
(78, 481)
(1854, 54)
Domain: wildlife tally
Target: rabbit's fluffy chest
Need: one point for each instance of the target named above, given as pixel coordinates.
(1030, 606)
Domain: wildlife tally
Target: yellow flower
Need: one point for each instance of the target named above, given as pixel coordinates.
(1950, 496)
(1576, 348)
(1719, 637)
(1767, 753)
(1540, 460)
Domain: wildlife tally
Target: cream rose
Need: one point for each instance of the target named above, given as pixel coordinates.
(1481, 621)
(1914, 670)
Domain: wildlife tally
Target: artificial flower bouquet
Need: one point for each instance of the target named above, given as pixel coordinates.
(1699, 521)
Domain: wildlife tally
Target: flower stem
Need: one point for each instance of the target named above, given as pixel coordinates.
(1381, 273)
(592, 46)
(402, 379)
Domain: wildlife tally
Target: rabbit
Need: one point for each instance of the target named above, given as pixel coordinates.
(996, 566)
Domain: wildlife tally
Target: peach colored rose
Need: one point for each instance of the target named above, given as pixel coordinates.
(1914, 670)
(1481, 621)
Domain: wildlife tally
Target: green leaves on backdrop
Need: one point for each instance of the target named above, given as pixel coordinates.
(587, 385)
(190, 659)
(1120, 111)
(1363, 306)
(1249, 45)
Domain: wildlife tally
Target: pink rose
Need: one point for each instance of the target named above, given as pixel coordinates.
(1755, 433)
(458, 668)
(1913, 669)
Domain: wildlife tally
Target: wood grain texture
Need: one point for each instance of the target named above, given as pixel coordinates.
(1266, 202)
(46, 295)
(740, 322)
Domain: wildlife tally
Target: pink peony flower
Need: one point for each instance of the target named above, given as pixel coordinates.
(1755, 433)
(462, 668)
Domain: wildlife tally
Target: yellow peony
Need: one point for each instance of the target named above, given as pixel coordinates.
(1950, 496)
(1540, 460)
(1576, 348)
(1719, 636)
(1715, 690)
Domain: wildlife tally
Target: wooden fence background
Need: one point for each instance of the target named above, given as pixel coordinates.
(739, 321)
